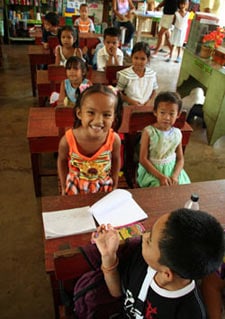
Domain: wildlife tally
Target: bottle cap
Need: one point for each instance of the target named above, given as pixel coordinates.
(194, 197)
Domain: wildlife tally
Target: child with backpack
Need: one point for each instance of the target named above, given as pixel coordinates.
(158, 281)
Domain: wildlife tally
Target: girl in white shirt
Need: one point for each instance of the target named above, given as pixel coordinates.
(138, 83)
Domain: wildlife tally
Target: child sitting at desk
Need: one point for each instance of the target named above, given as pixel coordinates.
(68, 41)
(138, 83)
(158, 281)
(76, 82)
(89, 154)
(50, 27)
(161, 158)
(84, 23)
(110, 54)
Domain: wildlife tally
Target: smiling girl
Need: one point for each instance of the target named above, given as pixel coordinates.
(89, 154)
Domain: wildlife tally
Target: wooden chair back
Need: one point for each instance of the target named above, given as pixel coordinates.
(56, 74)
(53, 41)
(111, 71)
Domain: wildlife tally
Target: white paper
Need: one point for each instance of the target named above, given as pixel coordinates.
(68, 222)
(118, 208)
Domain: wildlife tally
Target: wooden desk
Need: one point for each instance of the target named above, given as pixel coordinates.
(44, 87)
(37, 56)
(141, 18)
(212, 76)
(155, 202)
(43, 137)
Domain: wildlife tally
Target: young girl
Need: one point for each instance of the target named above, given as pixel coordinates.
(180, 26)
(138, 82)
(67, 47)
(75, 83)
(89, 154)
(161, 158)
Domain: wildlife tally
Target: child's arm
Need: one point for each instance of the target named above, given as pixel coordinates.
(62, 94)
(129, 100)
(212, 286)
(62, 162)
(179, 164)
(115, 10)
(144, 160)
(107, 240)
(116, 160)
(150, 101)
(57, 55)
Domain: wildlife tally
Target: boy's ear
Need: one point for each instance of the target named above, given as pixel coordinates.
(179, 114)
(167, 274)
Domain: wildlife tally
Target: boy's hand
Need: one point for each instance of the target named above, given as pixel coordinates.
(112, 51)
(107, 240)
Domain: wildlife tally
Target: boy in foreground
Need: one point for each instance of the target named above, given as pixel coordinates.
(110, 54)
(183, 246)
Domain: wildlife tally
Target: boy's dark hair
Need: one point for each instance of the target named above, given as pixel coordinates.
(112, 32)
(99, 88)
(142, 46)
(83, 5)
(167, 96)
(192, 243)
(73, 31)
(76, 63)
(52, 18)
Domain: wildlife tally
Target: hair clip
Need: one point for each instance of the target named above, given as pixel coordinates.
(83, 87)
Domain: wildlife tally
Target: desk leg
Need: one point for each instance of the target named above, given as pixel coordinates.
(35, 162)
(55, 294)
(33, 77)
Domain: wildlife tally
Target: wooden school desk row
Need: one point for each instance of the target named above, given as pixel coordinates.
(154, 201)
(46, 126)
(40, 56)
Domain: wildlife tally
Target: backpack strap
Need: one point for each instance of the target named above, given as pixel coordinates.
(140, 302)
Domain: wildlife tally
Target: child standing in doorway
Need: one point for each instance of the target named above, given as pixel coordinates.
(76, 82)
(84, 23)
(158, 280)
(161, 157)
(67, 38)
(50, 27)
(89, 154)
(110, 54)
(180, 27)
(138, 83)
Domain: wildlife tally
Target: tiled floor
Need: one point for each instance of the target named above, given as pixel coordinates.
(25, 288)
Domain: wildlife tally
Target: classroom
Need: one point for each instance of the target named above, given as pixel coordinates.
(25, 272)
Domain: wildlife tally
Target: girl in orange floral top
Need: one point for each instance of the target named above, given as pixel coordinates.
(89, 154)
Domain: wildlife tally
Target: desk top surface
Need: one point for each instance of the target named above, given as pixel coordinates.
(37, 50)
(41, 122)
(154, 201)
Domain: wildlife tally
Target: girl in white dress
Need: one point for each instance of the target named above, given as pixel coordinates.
(180, 26)
(138, 83)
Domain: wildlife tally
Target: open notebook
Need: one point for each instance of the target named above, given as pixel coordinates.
(117, 208)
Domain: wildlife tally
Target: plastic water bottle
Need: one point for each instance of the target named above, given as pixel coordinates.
(192, 203)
